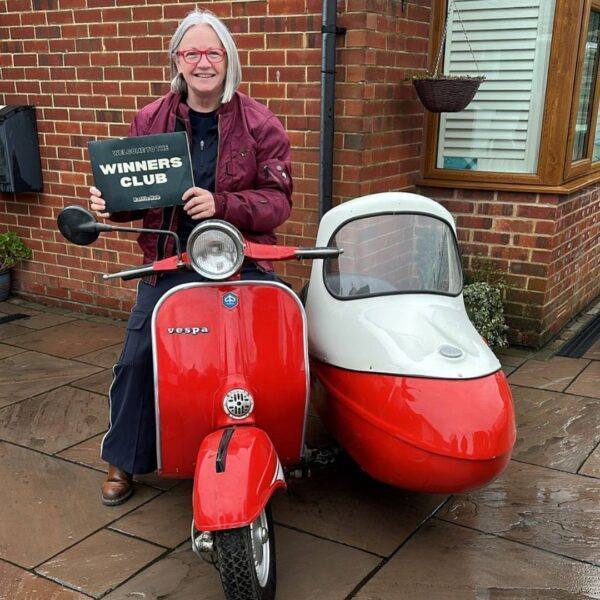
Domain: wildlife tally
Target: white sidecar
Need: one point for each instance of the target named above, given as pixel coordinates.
(401, 377)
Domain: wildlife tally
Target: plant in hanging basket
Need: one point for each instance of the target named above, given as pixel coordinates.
(445, 93)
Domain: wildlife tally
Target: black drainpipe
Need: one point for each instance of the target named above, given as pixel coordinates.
(329, 31)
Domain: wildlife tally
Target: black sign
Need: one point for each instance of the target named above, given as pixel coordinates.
(142, 172)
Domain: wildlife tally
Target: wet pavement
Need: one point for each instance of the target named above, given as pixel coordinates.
(532, 533)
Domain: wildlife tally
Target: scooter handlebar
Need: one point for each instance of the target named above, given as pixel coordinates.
(318, 252)
(132, 273)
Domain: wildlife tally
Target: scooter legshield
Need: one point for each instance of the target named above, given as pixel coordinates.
(237, 472)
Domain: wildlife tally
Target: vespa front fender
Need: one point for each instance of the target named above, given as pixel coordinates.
(237, 472)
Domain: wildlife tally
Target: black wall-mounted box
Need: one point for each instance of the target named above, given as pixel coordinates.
(20, 167)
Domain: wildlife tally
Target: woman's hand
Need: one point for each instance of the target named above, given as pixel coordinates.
(199, 203)
(97, 203)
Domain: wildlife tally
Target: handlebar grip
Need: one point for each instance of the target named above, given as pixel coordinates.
(318, 252)
(132, 276)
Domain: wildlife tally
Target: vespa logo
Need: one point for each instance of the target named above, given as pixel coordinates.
(230, 300)
(187, 330)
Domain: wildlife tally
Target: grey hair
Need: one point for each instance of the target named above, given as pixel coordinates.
(233, 77)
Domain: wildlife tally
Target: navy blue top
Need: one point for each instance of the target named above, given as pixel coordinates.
(205, 144)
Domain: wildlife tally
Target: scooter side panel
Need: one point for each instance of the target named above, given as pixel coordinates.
(418, 433)
(232, 487)
(205, 347)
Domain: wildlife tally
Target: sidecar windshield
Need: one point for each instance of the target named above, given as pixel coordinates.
(394, 253)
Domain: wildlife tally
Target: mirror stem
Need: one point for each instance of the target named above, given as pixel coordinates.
(105, 227)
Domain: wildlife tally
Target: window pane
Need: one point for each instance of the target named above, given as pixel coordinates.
(596, 152)
(500, 130)
(394, 253)
(588, 80)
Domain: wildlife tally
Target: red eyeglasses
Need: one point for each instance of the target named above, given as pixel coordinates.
(193, 56)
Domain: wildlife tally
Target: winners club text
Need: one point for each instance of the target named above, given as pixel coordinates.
(142, 170)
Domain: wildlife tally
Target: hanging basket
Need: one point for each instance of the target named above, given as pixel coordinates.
(446, 95)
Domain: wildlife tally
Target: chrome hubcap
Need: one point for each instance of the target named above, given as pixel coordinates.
(259, 534)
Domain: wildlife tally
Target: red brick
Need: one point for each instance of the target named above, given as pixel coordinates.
(514, 225)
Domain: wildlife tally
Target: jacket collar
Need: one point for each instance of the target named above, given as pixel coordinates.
(182, 110)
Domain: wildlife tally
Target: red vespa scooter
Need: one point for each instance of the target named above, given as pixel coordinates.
(231, 390)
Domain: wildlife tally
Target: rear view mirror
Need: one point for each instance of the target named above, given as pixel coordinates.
(79, 225)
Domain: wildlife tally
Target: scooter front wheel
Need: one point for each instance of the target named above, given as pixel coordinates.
(246, 559)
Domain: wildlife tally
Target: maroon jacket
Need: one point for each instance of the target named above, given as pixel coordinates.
(253, 183)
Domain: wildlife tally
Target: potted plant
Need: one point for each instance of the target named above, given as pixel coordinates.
(483, 302)
(483, 295)
(12, 250)
(446, 93)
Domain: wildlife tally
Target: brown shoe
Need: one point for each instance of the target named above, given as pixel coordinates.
(117, 487)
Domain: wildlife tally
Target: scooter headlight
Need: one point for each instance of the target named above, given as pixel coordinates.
(215, 249)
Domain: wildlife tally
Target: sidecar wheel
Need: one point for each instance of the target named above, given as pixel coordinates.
(246, 560)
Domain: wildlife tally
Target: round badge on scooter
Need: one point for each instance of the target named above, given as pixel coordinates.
(230, 300)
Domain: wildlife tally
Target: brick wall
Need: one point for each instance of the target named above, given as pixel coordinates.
(545, 247)
(88, 65)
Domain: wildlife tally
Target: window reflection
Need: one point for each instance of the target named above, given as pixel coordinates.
(394, 253)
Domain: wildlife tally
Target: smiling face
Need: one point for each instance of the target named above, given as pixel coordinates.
(205, 80)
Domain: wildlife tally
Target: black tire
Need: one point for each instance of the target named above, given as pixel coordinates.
(236, 564)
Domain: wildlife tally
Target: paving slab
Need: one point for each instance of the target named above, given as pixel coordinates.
(44, 320)
(50, 504)
(6, 350)
(99, 382)
(307, 567)
(592, 465)
(166, 520)
(121, 323)
(30, 373)
(518, 351)
(106, 357)
(88, 453)
(344, 505)
(446, 562)
(588, 383)
(508, 360)
(553, 374)
(71, 339)
(552, 510)
(12, 308)
(593, 352)
(555, 429)
(55, 420)
(18, 584)
(100, 562)
(9, 331)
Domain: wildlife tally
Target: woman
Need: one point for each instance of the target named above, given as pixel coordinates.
(241, 162)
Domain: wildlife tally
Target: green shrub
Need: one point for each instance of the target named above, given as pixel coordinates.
(12, 250)
(483, 302)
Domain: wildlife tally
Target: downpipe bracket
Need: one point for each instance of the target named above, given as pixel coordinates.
(334, 29)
